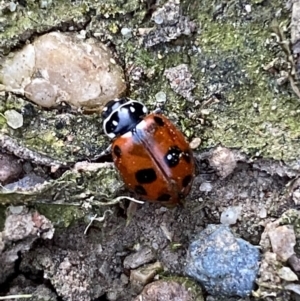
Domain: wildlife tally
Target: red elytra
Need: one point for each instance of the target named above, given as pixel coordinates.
(151, 154)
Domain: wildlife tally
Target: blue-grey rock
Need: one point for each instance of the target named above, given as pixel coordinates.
(27, 182)
(223, 264)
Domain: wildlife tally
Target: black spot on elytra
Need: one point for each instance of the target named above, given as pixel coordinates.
(187, 157)
(181, 196)
(164, 197)
(172, 157)
(186, 180)
(146, 176)
(117, 151)
(139, 189)
(159, 120)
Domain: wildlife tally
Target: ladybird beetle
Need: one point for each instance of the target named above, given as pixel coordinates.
(151, 154)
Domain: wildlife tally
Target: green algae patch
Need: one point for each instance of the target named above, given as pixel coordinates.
(67, 137)
(72, 188)
(251, 111)
(226, 56)
(61, 216)
(41, 16)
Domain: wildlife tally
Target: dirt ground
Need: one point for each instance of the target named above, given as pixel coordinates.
(226, 73)
(86, 267)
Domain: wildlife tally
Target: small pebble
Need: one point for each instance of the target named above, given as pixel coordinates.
(21, 226)
(10, 168)
(231, 215)
(161, 97)
(27, 182)
(155, 246)
(126, 32)
(124, 279)
(283, 241)
(142, 256)
(2, 243)
(27, 167)
(14, 119)
(12, 6)
(294, 262)
(287, 274)
(296, 196)
(144, 275)
(195, 143)
(293, 287)
(181, 81)
(158, 19)
(206, 187)
(111, 296)
(248, 8)
(262, 212)
(16, 209)
(45, 3)
(170, 24)
(223, 161)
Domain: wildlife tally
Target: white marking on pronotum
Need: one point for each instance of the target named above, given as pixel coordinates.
(127, 135)
(107, 119)
(141, 125)
(115, 123)
(111, 135)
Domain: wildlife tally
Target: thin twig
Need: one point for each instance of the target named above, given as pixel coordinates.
(15, 297)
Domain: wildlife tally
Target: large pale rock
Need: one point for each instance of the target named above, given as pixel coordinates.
(59, 67)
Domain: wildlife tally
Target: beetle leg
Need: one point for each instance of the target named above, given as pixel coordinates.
(157, 111)
(104, 153)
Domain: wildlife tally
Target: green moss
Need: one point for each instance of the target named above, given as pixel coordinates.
(63, 137)
(291, 217)
(2, 121)
(72, 187)
(61, 216)
(254, 114)
(34, 19)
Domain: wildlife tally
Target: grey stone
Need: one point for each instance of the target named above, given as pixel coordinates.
(223, 264)
(144, 255)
